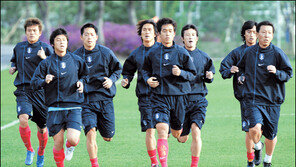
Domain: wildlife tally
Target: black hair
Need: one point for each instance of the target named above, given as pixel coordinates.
(264, 23)
(88, 25)
(59, 31)
(247, 25)
(187, 27)
(165, 21)
(33, 21)
(142, 23)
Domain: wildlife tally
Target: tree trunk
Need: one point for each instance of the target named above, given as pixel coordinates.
(132, 13)
(228, 29)
(43, 7)
(80, 14)
(189, 14)
(13, 29)
(158, 9)
(101, 22)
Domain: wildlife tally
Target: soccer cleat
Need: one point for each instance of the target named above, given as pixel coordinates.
(40, 160)
(29, 158)
(251, 164)
(265, 164)
(154, 165)
(69, 153)
(258, 155)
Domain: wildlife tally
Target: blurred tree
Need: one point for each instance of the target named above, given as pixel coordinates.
(44, 10)
(101, 22)
(80, 13)
(132, 12)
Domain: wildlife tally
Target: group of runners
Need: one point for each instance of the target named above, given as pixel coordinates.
(60, 90)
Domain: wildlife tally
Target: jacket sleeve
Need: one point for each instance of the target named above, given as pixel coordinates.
(83, 71)
(49, 51)
(226, 65)
(13, 59)
(284, 72)
(147, 67)
(115, 68)
(38, 79)
(242, 63)
(189, 71)
(129, 69)
(210, 67)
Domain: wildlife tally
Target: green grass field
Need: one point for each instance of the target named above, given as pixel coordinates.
(223, 140)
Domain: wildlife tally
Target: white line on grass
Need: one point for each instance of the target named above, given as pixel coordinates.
(10, 124)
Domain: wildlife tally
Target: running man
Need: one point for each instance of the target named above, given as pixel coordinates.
(104, 71)
(266, 69)
(168, 69)
(147, 32)
(196, 108)
(229, 69)
(26, 57)
(62, 76)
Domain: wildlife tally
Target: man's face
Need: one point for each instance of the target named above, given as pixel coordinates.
(190, 39)
(60, 43)
(250, 36)
(147, 33)
(89, 37)
(167, 33)
(265, 35)
(33, 34)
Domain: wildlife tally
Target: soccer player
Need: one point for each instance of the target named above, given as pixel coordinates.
(26, 57)
(196, 107)
(229, 69)
(104, 71)
(266, 69)
(168, 69)
(147, 32)
(62, 76)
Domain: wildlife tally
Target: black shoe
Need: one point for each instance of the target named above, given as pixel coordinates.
(258, 155)
(265, 164)
(251, 164)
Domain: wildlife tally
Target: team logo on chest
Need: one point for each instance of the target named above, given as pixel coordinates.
(166, 56)
(89, 59)
(63, 65)
(29, 50)
(261, 56)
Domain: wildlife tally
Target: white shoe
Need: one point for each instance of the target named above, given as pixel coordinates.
(69, 153)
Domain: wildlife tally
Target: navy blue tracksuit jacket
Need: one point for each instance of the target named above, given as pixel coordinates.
(159, 64)
(62, 90)
(101, 63)
(202, 64)
(26, 60)
(262, 87)
(231, 60)
(133, 63)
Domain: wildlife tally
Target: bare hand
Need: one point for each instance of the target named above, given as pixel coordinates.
(79, 86)
(241, 79)
(48, 78)
(124, 82)
(152, 82)
(209, 75)
(176, 70)
(12, 70)
(271, 69)
(41, 53)
(234, 69)
(107, 83)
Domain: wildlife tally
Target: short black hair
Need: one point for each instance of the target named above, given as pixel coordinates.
(59, 31)
(88, 25)
(33, 21)
(264, 23)
(247, 25)
(142, 23)
(165, 21)
(187, 27)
